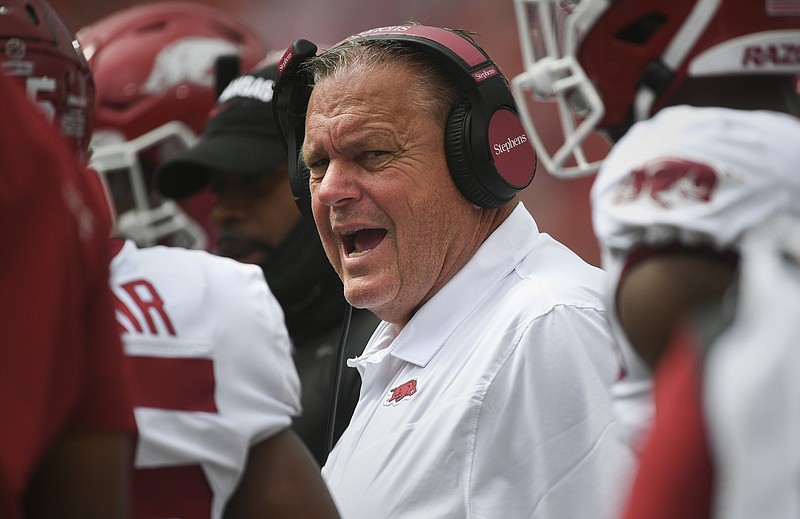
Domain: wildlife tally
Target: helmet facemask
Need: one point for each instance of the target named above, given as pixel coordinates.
(610, 63)
(127, 167)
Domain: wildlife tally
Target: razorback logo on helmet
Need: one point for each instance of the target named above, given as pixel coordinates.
(403, 391)
(190, 60)
(669, 183)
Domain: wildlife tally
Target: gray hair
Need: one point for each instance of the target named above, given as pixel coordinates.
(438, 82)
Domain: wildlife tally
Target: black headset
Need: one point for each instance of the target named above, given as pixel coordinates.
(489, 155)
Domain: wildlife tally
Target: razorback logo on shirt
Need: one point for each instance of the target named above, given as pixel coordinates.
(402, 392)
(668, 183)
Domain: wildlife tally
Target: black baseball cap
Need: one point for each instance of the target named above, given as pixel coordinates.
(239, 137)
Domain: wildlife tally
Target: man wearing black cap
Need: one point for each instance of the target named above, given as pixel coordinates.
(240, 156)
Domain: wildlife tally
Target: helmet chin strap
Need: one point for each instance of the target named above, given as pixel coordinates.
(657, 77)
(691, 30)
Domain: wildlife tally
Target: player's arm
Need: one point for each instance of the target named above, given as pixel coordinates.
(281, 480)
(85, 474)
(658, 292)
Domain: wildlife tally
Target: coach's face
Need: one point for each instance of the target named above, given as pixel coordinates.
(392, 221)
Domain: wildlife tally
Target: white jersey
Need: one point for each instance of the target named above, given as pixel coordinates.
(752, 388)
(212, 373)
(693, 177)
(493, 400)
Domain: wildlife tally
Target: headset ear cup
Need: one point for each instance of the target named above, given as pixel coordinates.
(298, 179)
(462, 169)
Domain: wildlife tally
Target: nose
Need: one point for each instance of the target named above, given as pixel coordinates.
(228, 209)
(339, 185)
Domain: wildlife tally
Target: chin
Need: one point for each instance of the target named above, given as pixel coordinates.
(369, 295)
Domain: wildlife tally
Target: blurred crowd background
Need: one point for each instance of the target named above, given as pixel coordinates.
(560, 206)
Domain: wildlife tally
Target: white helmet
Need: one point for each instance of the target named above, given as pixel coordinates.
(610, 63)
(154, 67)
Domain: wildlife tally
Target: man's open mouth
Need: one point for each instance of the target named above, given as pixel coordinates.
(243, 250)
(361, 242)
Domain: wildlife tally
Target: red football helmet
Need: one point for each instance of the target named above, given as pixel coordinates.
(609, 63)
(42, 53)
(154, 70)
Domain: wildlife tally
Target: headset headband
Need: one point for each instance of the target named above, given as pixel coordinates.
(488, 152)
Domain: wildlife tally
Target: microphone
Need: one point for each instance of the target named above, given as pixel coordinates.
(337, 380)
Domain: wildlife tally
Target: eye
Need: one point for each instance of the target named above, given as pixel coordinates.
(318, 167)
(374, 159)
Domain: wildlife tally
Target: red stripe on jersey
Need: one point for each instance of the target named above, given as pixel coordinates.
(181, 384)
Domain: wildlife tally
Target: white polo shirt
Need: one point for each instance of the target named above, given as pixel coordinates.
(492, 402)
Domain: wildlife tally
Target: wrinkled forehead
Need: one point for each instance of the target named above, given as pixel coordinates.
(357, 98)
